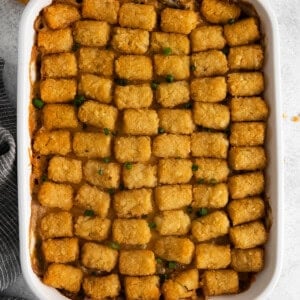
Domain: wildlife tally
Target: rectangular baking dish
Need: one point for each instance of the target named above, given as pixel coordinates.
(266, 280)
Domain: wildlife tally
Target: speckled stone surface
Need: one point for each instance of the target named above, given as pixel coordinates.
(288, 14)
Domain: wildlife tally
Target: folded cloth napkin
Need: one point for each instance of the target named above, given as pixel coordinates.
(9, 241)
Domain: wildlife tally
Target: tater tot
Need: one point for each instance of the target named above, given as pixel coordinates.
(171, 145)
(98, 115)
(62, 169)
(246, 57)
(132, 149)
(140, 175)
(247, 158)
(248, 235)
(172, 94)
(103, 10)
(91, 33)
(55, 41)
(59, 65)
(211, 115)
(91, 144)
(177, 66)
(59, 15)
(102, 287)
(58, 90)
(96, 61)
(206, 144)
(182, 286)
(211, 256)
(53, 142)
(133, 96)
(207, 37)
(130, 41)
(211, 170)
(96, 87)
(134, 67)
(219, 282)
(218, 11)
(178, 21)
(210, 196)
(247, 133)
(174, 222)
(245, 84)
(133, 203)
(177, 121)
(178, 43)
(140, 121)
(246, 210)
(242, 32)
(174, 249)
(247, 184)
(247, 260)
(131, 232)
(62, 276)
(59, 116)
(172, 171)
(137, 16)
(209, 63)
(55, 195)
(137, 262)
(209, 89)
(211, 226)
(169, 197)
(146, 287)
(248, 109)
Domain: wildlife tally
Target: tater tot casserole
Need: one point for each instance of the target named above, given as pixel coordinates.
(148, 124)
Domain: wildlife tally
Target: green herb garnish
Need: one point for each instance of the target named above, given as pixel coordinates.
(38, 103)
(163, 277)
(195, 167)
(106, 160)
(193, 68)
(213, 181)
(79, 99)
(111, 191)
(159, 260)
(189, 209)
(225, 50)
(152, 225)
(89, 213)
(188, 105)
(44, 178)
(121, 81)
(169, 78)
(200, 180)
(172, 265)
(202, 212)
(128, 165)
(154, 85)
(75, 47)
(231, 21)
(114, 245)
(167, 51)
(106, 131)
(100, 172)
(161, 130)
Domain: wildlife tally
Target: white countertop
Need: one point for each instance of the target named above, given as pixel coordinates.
(288, 15)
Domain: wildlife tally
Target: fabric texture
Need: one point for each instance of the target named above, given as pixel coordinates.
(9, 241)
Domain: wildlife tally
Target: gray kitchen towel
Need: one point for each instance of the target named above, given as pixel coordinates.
(9, 239)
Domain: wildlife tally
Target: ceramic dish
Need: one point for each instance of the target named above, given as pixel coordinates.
(265, 280)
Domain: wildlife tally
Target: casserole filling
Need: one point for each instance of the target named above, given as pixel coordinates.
(148, 127)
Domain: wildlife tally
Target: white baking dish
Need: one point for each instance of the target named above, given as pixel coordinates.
(266, 280)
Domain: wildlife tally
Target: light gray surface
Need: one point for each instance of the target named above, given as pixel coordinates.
(288, 15)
